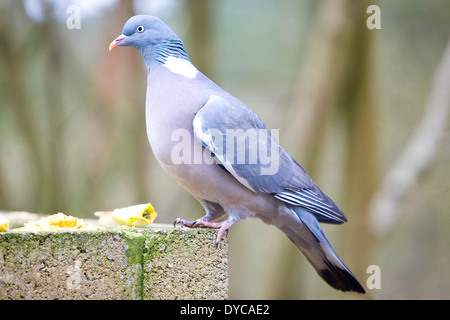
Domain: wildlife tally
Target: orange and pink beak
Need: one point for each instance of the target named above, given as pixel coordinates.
(116, 42)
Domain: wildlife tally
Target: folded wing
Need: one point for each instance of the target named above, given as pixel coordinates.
(241, 143)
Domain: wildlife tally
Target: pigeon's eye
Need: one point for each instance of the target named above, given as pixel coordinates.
(140, 28)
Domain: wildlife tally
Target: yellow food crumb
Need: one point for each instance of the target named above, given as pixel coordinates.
(139, 215)
(4, 224)
(57, 222)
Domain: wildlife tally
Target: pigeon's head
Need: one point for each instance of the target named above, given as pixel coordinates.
(143, 32)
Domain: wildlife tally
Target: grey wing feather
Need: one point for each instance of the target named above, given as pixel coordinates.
(315, 201)
(229, 130)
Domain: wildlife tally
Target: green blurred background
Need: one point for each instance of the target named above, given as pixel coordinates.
(347, 101)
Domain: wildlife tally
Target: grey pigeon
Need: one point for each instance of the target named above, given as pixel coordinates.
(225, 156)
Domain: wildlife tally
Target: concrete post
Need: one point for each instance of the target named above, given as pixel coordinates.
(159, 262)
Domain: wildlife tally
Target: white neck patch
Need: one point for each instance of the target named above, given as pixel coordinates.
(181, 66)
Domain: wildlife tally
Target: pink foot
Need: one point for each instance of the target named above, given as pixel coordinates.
(222, 226)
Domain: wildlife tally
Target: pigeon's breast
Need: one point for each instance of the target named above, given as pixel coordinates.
(171, 104)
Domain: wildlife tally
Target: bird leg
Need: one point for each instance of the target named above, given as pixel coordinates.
(222, 226)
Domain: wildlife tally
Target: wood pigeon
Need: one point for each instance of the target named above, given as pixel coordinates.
(224, 154)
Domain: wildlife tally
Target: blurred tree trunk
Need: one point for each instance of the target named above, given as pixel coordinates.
(55, 148)
(14, 63)
(359, 104)
(417, 155)
(339, 83)
(200, 34)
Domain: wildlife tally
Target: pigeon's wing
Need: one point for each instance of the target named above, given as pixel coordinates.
(241, 143)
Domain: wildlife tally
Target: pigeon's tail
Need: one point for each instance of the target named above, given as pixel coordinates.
(306, 233)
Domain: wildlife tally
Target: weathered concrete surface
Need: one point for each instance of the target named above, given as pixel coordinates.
(153, 263)
(185, 265)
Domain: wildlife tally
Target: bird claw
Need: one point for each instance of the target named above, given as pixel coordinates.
(222, 226)
(197, 224)
(178, 220)
(219, 237)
